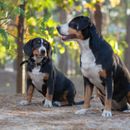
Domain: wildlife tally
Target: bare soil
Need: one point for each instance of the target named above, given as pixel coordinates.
(36, 117)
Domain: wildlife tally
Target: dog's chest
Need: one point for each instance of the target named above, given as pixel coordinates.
(37, 77)
(89, 68)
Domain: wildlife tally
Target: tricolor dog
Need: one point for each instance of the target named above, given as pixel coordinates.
(44, 77)
(99, 65)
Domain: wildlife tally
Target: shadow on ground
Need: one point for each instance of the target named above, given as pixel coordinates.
(36, 117)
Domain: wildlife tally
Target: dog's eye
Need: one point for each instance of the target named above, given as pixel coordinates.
(73, 25)
(45, 43)
(37, 42)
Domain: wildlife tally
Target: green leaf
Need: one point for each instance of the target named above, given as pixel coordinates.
(62, 50)
(46, 17)
(32, 21)
(2, 5)
(18, 11)
(4, 34)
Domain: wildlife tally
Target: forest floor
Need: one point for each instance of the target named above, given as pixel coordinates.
(35, 117)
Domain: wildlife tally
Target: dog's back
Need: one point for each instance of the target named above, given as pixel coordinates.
(121, 78)
(63, 84)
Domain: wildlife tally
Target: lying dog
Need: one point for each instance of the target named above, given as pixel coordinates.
(44, 77)
(99, 65)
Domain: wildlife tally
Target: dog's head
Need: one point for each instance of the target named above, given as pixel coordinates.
(38, 48)
(77, 28)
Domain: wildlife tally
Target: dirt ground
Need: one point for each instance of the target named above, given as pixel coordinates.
(36, 117)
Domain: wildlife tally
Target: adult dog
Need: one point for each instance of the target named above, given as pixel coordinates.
(99, 65)
(43, 76)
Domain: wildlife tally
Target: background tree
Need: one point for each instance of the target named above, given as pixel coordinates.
(40, 18)
(20, 36)
(127, 52)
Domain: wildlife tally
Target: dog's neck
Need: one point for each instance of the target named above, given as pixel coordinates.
(84, 45)
(38, 60)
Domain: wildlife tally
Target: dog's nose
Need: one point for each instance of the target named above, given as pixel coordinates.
(42, 52)
(58, 28)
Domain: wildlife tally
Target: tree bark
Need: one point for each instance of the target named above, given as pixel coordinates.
(63, 59)
(127, 52)
(20, 35)
(98, 17)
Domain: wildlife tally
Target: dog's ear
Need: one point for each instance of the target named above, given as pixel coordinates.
(49, 52)
(83, 23)
(48, 47)
(28, 48)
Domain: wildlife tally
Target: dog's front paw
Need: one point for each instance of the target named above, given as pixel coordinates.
(24, 102)
(48, 103)
(107, 113)
(81, 112)
(56, 104)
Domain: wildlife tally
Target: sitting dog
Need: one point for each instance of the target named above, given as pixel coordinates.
(99, 65)
(44, 77)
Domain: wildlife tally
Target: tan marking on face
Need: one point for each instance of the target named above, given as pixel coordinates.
(103, 73)
(30, 93)
(87, 96)
(77, 33)
(36, 52)
(108, 104)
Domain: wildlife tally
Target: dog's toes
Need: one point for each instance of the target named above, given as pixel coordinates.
(107, 113)
(24, 102)
(81, 112)
(56, 104)
(48, 103)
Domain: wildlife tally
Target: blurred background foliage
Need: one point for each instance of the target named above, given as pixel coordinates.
(42, 17)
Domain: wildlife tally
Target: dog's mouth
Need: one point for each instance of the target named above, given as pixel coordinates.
(38, 56)
(67, 37)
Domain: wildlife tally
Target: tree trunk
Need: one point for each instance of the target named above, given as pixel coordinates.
(98, 17)
(98, 22)
(63, 59)
(127, 52)
(20, 35)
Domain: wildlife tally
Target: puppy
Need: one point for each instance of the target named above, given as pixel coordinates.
(43, 76)
(99, 65)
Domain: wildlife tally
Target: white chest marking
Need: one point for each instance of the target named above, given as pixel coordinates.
(37, 77)
(88, 66)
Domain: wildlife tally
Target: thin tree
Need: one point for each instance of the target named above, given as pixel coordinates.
(20, 37)
(98, 17)
(127, 52)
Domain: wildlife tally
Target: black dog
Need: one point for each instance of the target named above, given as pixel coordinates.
(99, 65)
(44, 77)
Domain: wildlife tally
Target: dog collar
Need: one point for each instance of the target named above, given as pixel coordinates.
(32, 62)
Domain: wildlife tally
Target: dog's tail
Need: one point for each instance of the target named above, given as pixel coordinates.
(79, 102)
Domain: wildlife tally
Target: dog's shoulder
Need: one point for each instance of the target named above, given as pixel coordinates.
(102, 51)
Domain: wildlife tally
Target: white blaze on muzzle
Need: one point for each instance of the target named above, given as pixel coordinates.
(42, 48)
(64, 29)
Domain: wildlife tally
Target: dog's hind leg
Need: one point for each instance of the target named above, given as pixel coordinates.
(88, 90)
(67, 99)
(30, 91)
(128, 97)
(108, 98)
